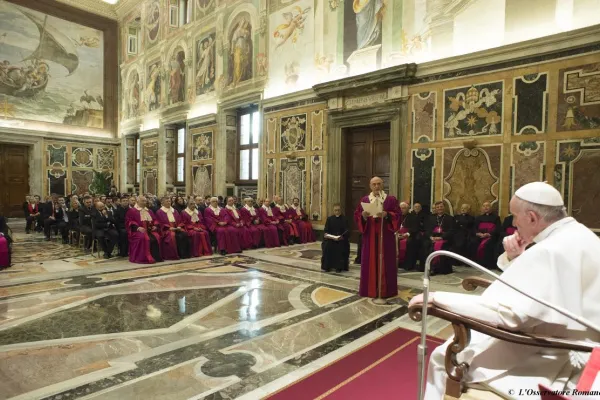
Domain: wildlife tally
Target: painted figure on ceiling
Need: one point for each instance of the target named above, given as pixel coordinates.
(205, 77)
(240, 59)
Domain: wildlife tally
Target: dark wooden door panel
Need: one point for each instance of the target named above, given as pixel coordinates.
(14, 179)
(368, 155)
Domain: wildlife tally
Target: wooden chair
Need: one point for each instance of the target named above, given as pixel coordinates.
(462, 326)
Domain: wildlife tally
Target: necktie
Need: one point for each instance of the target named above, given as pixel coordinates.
(65, 215)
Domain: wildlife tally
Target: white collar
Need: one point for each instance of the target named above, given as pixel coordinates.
(382, 196)
(167, 210)
(548, 231)
(247, 207)
(189, 211)
(140, 208)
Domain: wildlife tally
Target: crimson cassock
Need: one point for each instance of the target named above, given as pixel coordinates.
(227, 236)
(235, 221)
(271, 230)
(144, 247)
(253, 224)
(303, 225)
(174, 244)
(196, 230)
(288, 230)
(371, 229)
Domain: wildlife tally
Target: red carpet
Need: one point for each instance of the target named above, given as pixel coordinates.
(383, 369)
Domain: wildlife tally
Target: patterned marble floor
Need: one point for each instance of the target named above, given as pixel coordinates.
(216, 328)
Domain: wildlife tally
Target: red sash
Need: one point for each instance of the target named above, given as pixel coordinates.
(402, 245)
(438, 245)
(4, 256)
(484, 227)
(510, 230)
(30, 208)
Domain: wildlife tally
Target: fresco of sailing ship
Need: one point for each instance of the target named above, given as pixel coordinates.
(45, 64)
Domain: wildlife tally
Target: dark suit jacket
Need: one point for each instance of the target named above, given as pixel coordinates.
(85, 216)
(119, 217)
(447, 226)
(102, 222)
(411, 222)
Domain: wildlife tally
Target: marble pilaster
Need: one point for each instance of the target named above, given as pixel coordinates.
(162, 161)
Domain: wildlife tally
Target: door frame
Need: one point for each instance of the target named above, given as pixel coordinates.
(340, 120)
(30, 158)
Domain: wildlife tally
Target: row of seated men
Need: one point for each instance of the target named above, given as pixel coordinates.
(478, 238)
(149, 235)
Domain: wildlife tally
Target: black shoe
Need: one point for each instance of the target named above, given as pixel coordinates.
(338, 271)
(47, 239)
(223, 252)
(106, 256)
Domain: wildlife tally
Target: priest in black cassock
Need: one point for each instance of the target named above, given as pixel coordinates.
(336, 245)
(439, 232)
(486, 230)
(408, 238)
(507, 229)
(464, 229)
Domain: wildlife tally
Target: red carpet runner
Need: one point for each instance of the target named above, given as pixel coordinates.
(383, 369)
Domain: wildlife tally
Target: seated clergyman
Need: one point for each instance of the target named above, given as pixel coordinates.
(561, 268)
(335, 246)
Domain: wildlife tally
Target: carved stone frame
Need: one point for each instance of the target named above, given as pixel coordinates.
(340, 120)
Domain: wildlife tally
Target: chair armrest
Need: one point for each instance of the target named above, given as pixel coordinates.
(473, 282)
(527, 339)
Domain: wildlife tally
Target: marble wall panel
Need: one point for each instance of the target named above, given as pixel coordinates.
(271, 135)
(150, 181)
(293, 133)
(56, 155)
(82, 157)
(316, 187)
(57, 182)
(131, 165)
(149, 157)
(105, 158)
(81, 181)
(317, 126)
(203, 179)
(292, 179)
(471, 176)
(247, 191)
(231, 172)
(424, 116)
(528, 164)
(530, 104)
(171, 157)
(270, 179)
(474, 110)
(579, 98)
(578, 162)
(422, 177)
(202, 146)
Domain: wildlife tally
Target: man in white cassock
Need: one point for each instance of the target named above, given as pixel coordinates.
(562, 267)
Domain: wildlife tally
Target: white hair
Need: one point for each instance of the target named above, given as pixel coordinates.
(214, 199)
(549, 214)
(404, 204)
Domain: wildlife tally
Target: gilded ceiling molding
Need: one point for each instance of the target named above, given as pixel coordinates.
(97, 7)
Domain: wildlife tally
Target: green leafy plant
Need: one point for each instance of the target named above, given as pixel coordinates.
(101, 182)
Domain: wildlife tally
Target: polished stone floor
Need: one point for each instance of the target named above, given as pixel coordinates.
(216, 327)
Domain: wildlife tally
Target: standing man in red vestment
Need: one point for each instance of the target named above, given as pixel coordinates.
(144, 240)
(217, 221)
(301, 221)
(271, 224)
(196, 230)
(281, 212)
(378, 271)
(175, 242)
(236, 221)
(252, 222)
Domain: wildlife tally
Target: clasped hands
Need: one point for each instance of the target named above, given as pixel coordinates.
(482, 235)
(222, 223)
(382, 214)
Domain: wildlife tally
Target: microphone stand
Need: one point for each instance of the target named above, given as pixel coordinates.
(422, 348)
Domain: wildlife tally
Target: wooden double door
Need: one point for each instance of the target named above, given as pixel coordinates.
(367, 154)
(14, 179)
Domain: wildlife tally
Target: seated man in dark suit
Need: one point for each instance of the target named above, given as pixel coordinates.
(85, 220)
(408, 238)
(104, 229)
(119, 216)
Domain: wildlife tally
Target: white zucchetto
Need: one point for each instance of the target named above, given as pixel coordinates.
(540, 193)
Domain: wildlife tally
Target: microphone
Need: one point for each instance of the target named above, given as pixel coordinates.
(422, 348)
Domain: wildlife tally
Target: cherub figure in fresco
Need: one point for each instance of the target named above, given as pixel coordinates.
(293, 26)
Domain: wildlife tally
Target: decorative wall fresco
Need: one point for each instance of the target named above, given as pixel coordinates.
(579, 98)
(152, 91)
(578, 162)
(82, 157)
(423, 118)
(203, 8)
(152, 23)
(149, 153)
(318, 126)
(474, 110)
(130, 161)
(530, 104)
(177, 76)
(528, 164)
(316, 188)
(81, 181)
(422, 176)
(206, 68)
(57, 182)
(270, 178)
(105, 159)
(56, 155)
(271, 136)
(240, 50)
(52, 70)
(231, 154)
(471, 176)
(150, 181)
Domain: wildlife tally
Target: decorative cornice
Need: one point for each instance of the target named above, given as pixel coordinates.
(97, 7)
(366, 83)
(124, 7)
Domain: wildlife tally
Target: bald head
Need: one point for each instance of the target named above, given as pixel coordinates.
(142, 201)
(404, 208)
(376, 185)
(486, 207)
